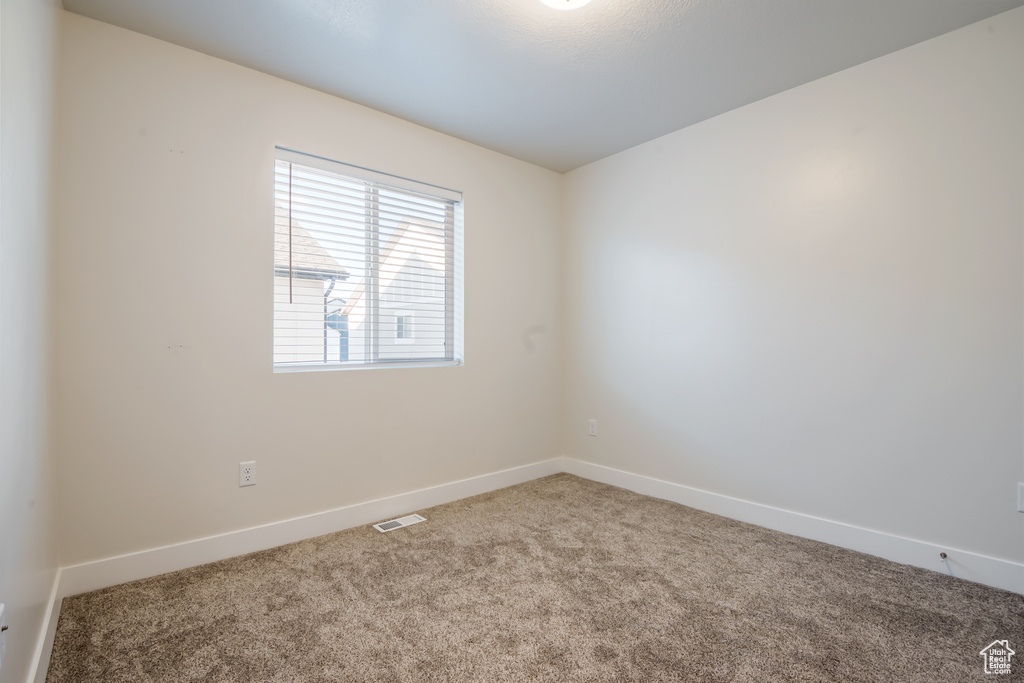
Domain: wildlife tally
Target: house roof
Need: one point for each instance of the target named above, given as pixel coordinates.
(309, 259)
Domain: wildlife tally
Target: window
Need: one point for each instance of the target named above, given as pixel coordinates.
(358, 257)
(403, 328)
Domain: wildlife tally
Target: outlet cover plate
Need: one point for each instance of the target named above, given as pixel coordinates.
(1020, 496)
(247, 473)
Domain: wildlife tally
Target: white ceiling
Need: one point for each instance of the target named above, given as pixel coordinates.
(558, 89)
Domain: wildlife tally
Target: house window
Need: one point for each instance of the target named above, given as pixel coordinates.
(358, 255)
(403, 327)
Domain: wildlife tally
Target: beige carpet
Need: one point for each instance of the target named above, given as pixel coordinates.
(560, 579)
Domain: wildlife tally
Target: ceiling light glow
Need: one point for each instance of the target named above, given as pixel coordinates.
(565, 4)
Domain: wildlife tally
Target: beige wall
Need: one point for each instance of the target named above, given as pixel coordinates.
(164, 272)
(815, 302)
(28, 560)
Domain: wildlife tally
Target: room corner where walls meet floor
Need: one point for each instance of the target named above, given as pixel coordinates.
(91, 576)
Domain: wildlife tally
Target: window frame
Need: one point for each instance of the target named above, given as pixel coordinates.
(453, 269)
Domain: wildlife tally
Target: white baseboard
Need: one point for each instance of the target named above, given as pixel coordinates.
(44, 645)
(963, 564)
(90, 576)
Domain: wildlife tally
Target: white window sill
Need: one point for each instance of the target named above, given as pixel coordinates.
(384, 365)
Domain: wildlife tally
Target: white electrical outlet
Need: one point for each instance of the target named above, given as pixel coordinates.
(3, 634)
(1020, 496)
(247, 473)
(593, 427)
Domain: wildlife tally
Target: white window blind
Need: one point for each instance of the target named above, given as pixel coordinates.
(358, 256)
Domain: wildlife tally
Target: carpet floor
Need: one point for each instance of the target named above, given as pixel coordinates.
(558, 579)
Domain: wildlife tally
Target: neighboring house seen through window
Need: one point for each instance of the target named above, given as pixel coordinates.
(358, 257)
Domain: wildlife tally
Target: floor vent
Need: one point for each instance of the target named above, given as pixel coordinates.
(398, 523)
